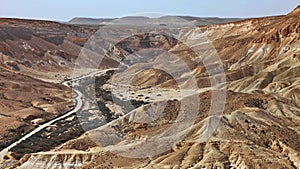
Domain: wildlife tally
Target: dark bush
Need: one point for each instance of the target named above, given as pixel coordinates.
(254, 102)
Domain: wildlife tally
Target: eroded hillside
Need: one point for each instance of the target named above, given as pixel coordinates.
(258, 127)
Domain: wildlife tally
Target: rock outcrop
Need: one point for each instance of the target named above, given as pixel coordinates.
(258, 128)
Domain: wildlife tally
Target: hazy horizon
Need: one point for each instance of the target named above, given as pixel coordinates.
(66, 10)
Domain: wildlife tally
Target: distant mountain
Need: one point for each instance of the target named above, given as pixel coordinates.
(89, 21)
(209, 20)
(159, 21)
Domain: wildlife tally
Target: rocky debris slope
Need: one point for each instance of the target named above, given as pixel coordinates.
(27, 102)
(32, 51)
(259, 127)
(42, 49)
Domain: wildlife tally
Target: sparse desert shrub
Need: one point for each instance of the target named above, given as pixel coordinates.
(254, 102)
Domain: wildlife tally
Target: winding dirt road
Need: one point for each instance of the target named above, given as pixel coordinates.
(77, 107)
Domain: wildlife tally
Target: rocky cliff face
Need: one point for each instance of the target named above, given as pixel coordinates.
(40, 48)
(67, 159)
(259, 127)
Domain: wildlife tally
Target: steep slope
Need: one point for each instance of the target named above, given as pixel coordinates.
(42, 49)
(27, 102)
(32, 51)
(259, 127)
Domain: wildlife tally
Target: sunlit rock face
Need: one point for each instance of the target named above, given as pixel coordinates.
(258, 128)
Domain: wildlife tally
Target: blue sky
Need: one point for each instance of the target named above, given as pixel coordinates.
(63, 10)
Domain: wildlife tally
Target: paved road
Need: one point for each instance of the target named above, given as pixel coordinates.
(78, 106)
